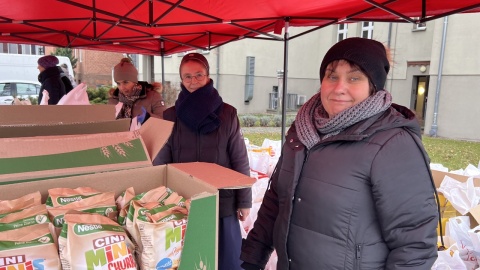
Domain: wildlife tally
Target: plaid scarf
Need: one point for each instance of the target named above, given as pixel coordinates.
(313, 123)
(128, 101)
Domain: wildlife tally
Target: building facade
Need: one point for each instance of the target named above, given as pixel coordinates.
(95, 68)
(435, 71)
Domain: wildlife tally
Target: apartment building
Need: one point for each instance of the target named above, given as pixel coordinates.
(435, 71)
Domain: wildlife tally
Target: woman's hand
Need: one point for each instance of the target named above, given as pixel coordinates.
(242, 213)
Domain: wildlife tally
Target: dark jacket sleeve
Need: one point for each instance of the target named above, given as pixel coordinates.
(55, 89)
(401, 182)
(258, 246)
(68, 84)
(238, 155)
(164, 156)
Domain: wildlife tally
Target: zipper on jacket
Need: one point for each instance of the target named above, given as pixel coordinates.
(358, 256)
(198, 145)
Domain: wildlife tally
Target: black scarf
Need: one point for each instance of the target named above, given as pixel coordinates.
(199, 110)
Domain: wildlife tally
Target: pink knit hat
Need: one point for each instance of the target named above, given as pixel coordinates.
(48, 61)
(125, 71)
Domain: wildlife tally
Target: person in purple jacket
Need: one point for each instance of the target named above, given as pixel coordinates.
(208, 130)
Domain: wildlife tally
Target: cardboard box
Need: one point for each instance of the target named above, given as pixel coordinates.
(439, 175)
(73, 161)
(198, 181)
(474, 213)
(56, 156)
(29, 121)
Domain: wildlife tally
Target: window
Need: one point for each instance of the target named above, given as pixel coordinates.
(27, 89)
(6, 89)
(367, 30)
(12, 48)
(24, 49)
(342, 32)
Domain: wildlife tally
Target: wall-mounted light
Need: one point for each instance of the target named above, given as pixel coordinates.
(421, 90)
(423, 68)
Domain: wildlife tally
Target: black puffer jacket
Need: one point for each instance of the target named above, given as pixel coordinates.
(51, 81)
(362, 199)
(224, 146)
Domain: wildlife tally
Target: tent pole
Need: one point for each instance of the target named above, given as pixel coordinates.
(152, 69)
(434, 127)
(162, 53)
(285, 75)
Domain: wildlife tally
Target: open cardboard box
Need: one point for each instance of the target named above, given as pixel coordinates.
(198, 181)
(29, 121)
(474, 213)
(40, 157)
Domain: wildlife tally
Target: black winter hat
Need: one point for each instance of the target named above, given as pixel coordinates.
(368, 54)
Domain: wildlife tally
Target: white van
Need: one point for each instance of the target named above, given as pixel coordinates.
(23, 67)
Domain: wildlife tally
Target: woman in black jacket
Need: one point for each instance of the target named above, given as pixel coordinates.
(50, 79)
(352, 189)
(207, 130)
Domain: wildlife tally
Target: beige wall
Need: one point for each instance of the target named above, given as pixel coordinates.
(458, 102)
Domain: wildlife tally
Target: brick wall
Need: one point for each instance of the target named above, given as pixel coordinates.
(93, 67)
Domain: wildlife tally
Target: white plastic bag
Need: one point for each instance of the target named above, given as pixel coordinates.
(457, 229)
(449, 259)
(462, 196)
(76, 96)
(118, 108)
(475, 237)
(275, 146)
(45, 98)
(259, 160)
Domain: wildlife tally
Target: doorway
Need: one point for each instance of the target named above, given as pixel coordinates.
(420, 97)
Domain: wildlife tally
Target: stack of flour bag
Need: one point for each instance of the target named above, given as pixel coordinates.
(83, 228)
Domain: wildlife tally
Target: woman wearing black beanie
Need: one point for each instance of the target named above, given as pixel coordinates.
(353, 188)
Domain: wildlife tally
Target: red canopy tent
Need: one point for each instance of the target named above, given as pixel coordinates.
(161, 27)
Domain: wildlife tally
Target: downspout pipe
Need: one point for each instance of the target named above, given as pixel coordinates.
(389, 35)
(434, 127)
